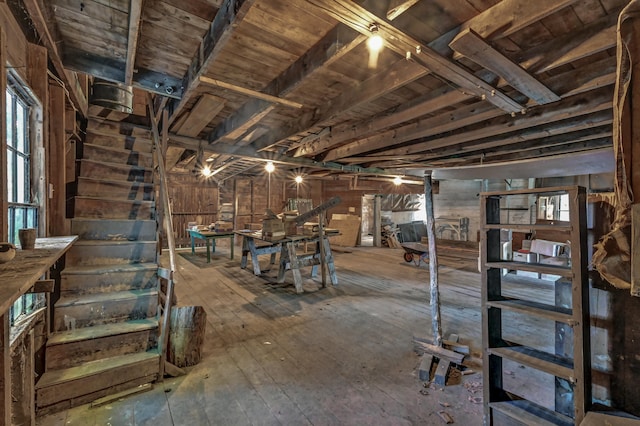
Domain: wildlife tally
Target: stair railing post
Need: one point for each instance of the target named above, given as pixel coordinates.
(168, 226)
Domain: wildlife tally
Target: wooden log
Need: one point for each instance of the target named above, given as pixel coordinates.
(186, 335)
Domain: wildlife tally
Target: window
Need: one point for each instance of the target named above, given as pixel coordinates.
(23, 212)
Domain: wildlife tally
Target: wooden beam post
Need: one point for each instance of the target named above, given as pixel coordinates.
(4, 227)
(377, 227)
(433, 263)
(56, 156)
(5, 367)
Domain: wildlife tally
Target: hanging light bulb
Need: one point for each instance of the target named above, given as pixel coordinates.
(206, 171)
(397, 181)
(269, 167)
(298, 179)
(375, 42)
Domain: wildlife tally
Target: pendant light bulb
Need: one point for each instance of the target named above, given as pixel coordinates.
(375, 42)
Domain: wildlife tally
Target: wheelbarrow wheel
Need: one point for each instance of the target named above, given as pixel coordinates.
(408, 257)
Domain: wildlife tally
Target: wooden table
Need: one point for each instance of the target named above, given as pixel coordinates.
(290, 260)
(209, 236)
(252, 243)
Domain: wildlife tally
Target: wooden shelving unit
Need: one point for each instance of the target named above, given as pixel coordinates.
(572, 371)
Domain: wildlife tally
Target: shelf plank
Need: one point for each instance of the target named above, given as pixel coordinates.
(528, 227)
(554, 313)
(563, 271)
(552, 364)
(530, 413)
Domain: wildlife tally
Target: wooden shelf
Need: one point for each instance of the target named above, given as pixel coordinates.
(563, 271)
(543, 361)
(530, 413)
(569, 314)
(527, 227)
(554, 313)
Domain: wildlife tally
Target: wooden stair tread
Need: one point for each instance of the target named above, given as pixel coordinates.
(118, 150)
(116, 181)
(104, 330)
(108, 268)
(82, 299)
(555, 313)
(119, 200)
(530, 413)
(91, 368)
(552, 364)
(91, 129)
(125, 167)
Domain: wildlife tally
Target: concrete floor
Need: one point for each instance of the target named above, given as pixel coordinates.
(332, 356)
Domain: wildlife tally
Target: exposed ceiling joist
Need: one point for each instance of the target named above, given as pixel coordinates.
(333, 46)
(135, 13)
(250, 92)
(479, 51)
(398, 7)
(41, 24)
(359, 18)
(230, 14)
(251, 153)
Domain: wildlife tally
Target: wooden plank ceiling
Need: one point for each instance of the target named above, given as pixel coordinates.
(457, 83)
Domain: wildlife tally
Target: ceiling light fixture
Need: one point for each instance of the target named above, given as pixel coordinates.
(206, 171)
(298, 179)
(375, 42)
(397, 181)
(269, 167)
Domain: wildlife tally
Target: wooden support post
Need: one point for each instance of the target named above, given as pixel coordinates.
(377, 226)
(323, 255)
(433, 263)
(4, 227)
(56, 156)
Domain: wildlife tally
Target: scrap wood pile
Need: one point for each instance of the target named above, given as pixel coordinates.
(440, 362)
(389, 236)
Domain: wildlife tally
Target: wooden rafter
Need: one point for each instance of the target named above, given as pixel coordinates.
(479, 51)
(249, 92)
(398, 7)
(251, 153)
(495, 22)
(570, 83)
(333, 46)
(359, 18)
(40, 23)
(230, 15)
(398, 75)
(135, 13)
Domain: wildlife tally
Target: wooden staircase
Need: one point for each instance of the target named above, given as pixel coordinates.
(105, 325)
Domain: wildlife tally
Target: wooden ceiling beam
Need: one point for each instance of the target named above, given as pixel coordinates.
(249, 152)
(35, 11)
(398, 7)
(359, 18)
(572, 82)
(249, 92)
(495, 22)
(479, 51)
(230, 15)
(570, 115)
(135, 14)
(333, 46)
(385, 81)
(573, 134)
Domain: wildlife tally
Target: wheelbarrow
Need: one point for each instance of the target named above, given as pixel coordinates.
(415, 252)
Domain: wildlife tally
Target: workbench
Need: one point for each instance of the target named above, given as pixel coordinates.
(209, 236)
(252, 243)
(290, 260)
